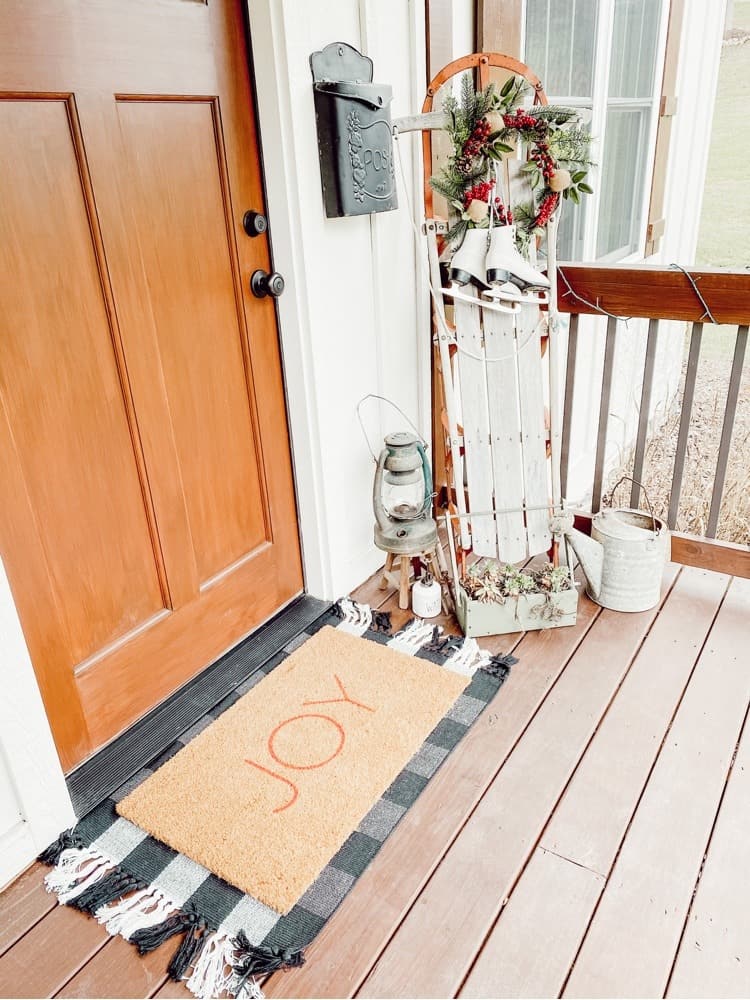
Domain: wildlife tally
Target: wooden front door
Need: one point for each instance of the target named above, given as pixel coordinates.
(147, 513)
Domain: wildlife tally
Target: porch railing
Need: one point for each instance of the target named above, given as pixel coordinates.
(658, 293)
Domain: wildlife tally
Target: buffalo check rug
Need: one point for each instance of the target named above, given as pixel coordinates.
(160, 878)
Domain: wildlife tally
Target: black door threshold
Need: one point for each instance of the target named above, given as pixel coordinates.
(94, 780)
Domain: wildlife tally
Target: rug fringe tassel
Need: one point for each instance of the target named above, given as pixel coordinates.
(355, 618)
(150, 938)
(212, 972)
(381, 622)
(499, 666)
(412, 637)
(144, 908)
(76, 870)
(111, 887)
(189, 950)
(250, 990)
(468, 658)
(252, 961)
(67, 840)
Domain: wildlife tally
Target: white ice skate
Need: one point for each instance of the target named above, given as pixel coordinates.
(469, 267)
(509, 275)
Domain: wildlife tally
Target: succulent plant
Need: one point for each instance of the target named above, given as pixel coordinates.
(490, 581)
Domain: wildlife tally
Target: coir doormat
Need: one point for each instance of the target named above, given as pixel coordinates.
(267, 815)
(271, 790)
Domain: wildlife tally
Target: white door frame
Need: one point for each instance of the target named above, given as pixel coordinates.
(34, 801)
(281, 162)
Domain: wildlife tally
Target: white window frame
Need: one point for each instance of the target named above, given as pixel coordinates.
(598, 105)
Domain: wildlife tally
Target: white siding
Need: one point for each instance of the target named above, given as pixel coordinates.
(351, 315)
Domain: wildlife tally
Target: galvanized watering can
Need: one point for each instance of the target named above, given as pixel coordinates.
(624, 558)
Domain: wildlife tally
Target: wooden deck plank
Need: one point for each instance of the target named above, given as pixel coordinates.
(370, 593)
(434, 948)
(644, 905)
(714, 955)
(50, 954)
(78, 959)
(117, 970)
(22, 905)
(541, 933)
(592, 817)
(590, 821)
(345, 950)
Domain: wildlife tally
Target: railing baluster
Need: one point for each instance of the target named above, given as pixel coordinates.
(682, 437)
(648, 382)
(601, 439)
(570, 377)
(730, 410)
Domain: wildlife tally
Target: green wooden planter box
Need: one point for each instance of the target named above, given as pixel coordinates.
(518, 614)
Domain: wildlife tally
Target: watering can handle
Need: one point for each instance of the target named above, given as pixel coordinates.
(635, 482)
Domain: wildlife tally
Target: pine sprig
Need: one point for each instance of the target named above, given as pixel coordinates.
(554, 113)
(572, 145)
(450, 186)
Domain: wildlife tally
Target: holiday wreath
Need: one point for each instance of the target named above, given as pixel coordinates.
(486, 125)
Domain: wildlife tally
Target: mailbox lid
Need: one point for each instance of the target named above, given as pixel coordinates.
(372, 95)
(341, 61)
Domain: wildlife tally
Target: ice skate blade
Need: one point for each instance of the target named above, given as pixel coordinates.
(494, 306)
(521, 298)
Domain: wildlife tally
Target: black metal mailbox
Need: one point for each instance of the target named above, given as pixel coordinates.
(355, 141)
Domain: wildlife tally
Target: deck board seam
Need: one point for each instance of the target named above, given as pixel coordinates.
(61, 986)
(698, 654)
(570, 861)
(29, 927)
(706, 850)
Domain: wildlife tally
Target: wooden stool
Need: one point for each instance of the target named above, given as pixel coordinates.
(397, 571)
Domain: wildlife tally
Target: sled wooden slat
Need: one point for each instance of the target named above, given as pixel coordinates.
(505, 433)
(533, 434)
(448, 378)
(476, 424)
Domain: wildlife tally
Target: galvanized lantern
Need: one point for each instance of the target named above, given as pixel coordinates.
(402, 496)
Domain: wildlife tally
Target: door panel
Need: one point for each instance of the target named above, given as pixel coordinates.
(147, 514)
(61, 384)
(172, 175)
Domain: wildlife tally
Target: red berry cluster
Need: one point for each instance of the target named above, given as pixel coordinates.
(473, 145)
(540, 155)
(547, 207)
(480, 192)
(521, 120)
(504, 215)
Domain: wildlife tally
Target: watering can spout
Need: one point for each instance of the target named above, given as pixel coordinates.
(589, 552)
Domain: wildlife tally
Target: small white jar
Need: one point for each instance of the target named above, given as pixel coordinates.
(426, 597)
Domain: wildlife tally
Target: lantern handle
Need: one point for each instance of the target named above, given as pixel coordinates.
(384, 399)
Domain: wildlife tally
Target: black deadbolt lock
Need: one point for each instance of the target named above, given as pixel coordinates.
(254, 223)
(262, 283)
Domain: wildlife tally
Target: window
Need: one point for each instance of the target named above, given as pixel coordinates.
(602, 55)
